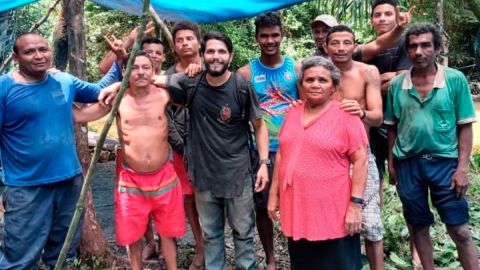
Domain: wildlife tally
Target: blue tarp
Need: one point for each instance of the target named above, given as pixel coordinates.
(10, 4)
(195, 10)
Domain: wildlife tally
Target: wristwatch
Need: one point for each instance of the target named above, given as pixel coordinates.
(264, 161)
(356, 200)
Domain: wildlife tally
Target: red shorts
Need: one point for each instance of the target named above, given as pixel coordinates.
(139, 195)
(179, 165)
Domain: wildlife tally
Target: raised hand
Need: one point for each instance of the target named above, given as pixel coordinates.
(116, 46)
(150, 30)
(404, 18)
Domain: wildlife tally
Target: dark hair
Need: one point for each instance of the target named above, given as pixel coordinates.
(375, 3)
(268, 19)
(186, 25)
(15, 45)
(339, 28)
(320, 61)
(143, 53)
(424, 28)
(151, 40)
(218, 36)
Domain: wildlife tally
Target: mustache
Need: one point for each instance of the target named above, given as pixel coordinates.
(141, 77)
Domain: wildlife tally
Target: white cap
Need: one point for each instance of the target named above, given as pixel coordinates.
(329, 20)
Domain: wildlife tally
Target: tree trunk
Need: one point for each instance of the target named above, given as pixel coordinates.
(60, 42)
(440, 22)
(92, 242)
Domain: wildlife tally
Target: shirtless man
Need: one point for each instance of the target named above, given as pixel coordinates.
(360, 95)
(147, 184)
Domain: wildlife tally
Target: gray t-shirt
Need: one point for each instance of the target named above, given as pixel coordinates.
(217, 150)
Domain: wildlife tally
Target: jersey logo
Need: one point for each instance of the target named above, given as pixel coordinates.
(225, 114)
(260, 78)
(288, 76)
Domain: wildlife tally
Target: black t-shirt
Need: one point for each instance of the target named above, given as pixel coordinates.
(392, 60)
(217, 151)
(177, 121)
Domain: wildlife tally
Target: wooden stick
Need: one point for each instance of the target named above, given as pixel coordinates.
(163, 26)
(34, 27)
(80, 204)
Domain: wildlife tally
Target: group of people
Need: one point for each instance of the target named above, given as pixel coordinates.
(307, 140)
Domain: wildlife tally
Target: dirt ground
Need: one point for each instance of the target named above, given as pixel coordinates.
(102, 188)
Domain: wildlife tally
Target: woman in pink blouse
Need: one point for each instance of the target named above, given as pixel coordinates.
(320, 204)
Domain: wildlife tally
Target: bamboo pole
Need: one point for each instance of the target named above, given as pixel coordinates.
(80, 204)
(163, 27)
(34, 27)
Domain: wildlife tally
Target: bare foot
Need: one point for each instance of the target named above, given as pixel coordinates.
(417, 265)
(148, 251)
(198, 263)
(272, 265)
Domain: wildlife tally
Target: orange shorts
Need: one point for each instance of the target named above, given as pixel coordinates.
(179, 165)
(139, 195)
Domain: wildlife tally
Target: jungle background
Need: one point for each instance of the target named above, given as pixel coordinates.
(460, 20)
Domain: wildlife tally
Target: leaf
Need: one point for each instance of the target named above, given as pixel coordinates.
(454, 265)
(398, 261)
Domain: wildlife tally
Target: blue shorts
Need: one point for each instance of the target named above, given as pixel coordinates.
(418, 175)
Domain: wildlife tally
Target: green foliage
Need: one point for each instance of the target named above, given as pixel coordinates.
(100, 22)
(26, 16)
(462, 29)
(20, 20)
(396, 237)
(241, 33)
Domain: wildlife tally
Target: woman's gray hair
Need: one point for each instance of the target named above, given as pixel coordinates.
(320, 61)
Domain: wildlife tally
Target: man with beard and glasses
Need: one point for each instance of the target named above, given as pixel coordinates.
(221, 105)
(274, 78)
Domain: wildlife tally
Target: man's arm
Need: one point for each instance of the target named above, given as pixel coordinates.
(298, 68)
(246, 72)
(460, 177)
(372, 115)
(273, 197)
(89, 113)
(178, 85)
(353, 219)
(374, 112)
(384, 42)
(387, 77)
(391, 137)
(86, 92)
(391, 121)
(126, 44)
(261, 138)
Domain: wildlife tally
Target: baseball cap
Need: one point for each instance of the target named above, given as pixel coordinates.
(329, 20)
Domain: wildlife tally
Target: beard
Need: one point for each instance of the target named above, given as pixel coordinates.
(216, 73)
